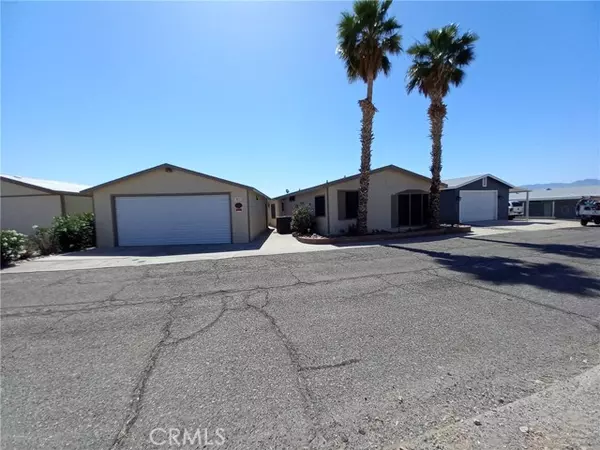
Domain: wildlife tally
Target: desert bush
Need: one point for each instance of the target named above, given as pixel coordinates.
(13, 246)
(73, 232)
(42, 241)
(302, 219)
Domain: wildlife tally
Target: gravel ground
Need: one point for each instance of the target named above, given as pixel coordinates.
(352, 348)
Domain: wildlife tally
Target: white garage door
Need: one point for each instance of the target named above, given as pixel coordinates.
(477, 206)
(173, 220)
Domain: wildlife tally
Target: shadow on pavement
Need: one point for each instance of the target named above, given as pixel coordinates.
(573, 251)
(551, 276)
(169, 250)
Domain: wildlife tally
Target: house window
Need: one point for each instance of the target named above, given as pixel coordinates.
(320, 206)
(351, 204)
(272, 210)
(282, 207)
(484, 182)
(293, 198)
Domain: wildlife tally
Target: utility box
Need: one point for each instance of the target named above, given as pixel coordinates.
(284, 224)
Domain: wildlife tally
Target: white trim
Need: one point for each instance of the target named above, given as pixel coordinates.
(479, 178)
(480, 190)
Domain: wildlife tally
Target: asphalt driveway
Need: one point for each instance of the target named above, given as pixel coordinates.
(353, 348)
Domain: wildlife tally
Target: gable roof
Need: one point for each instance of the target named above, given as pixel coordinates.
(566, 193)
(171, 166)
(354, 177)
(48, 186)
(455, 183)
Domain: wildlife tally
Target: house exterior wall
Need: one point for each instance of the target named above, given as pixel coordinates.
(307, 198)
(383, 185)
(449, 209)
(22, 213)
(9, 189)
(162, 182)
(77, 204)
(258, 214)
(22, 207)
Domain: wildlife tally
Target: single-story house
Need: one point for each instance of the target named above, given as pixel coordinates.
(170, 205)
(474, 199)
(556, 203)
(398, 198)
(27, 202)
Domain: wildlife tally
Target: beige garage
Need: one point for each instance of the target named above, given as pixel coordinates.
(170, 205)
(27, 202)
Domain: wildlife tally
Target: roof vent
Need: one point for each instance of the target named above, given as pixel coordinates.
(168, 170)
(548, 189)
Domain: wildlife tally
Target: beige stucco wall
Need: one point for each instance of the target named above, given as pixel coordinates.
(258, 214)
(307, 198)
(77, 204)
(22, 213)
(381, 188)
(161, 182)
(8, 188)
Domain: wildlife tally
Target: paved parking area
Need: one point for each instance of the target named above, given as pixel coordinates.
(356, 348)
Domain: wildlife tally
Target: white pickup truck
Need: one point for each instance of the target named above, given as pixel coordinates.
(515, 209)
(588, 210)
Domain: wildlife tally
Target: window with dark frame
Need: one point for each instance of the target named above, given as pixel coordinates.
(320, 206)
(272, 210)
(351, 204)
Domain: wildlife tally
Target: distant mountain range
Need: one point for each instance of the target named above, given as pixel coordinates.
(586, 182)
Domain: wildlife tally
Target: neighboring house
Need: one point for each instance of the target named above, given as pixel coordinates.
(476, 198)
(398, 198)
(556, 202)
(27, 202)
(170, 205)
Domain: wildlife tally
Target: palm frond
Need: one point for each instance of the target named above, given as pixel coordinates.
(438, 61)
(366, 38)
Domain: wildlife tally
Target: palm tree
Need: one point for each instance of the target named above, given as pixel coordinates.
(437, 64)
(366, 38)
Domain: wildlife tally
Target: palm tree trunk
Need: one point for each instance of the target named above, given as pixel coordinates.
(437, 113)
(366, 139)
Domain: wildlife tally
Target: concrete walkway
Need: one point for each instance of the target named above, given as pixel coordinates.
(270, 243)
(518, 225)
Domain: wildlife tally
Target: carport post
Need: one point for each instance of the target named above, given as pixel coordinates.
(527, 206)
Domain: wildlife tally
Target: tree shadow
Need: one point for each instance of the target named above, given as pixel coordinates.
(551, 276)
(573, 251)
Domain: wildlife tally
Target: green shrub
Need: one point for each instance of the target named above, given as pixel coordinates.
(42, 241)
(302, 219)
(13, 246)
(74, 232)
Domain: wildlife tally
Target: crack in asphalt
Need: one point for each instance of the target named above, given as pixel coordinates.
(330, 366)
(309, 405)
(203, 329)
(139, 390)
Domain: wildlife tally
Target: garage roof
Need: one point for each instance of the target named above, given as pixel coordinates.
(49, 186)
(171, 166)
(455, 183)
(341, 180)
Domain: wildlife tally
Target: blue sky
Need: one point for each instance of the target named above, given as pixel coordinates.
(253, 92)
